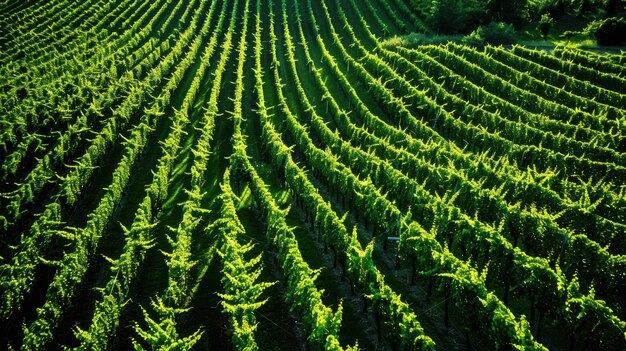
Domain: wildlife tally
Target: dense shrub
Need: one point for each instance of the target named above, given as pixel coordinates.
(515, 12)
(555, 8)
(496, 33)
(416, 39)
(609, 31)
(457, 16)
(545, 24)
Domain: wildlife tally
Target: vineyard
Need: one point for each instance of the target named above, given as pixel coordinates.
(266, 174)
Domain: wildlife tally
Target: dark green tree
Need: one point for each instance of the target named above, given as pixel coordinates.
(515, 12)
(545, 24)
(457, 16)
(582, 6)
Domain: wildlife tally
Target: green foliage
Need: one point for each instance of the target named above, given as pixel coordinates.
(554, 8)
(496, 33)
(545, 24)
(456, 16)
(581, 7)
(417, 39)
(240, 273)
(161, 333)
(322, 324)
(592, 321)
(114, 294)
(490, 165)
(515, 12)
(609, 31)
